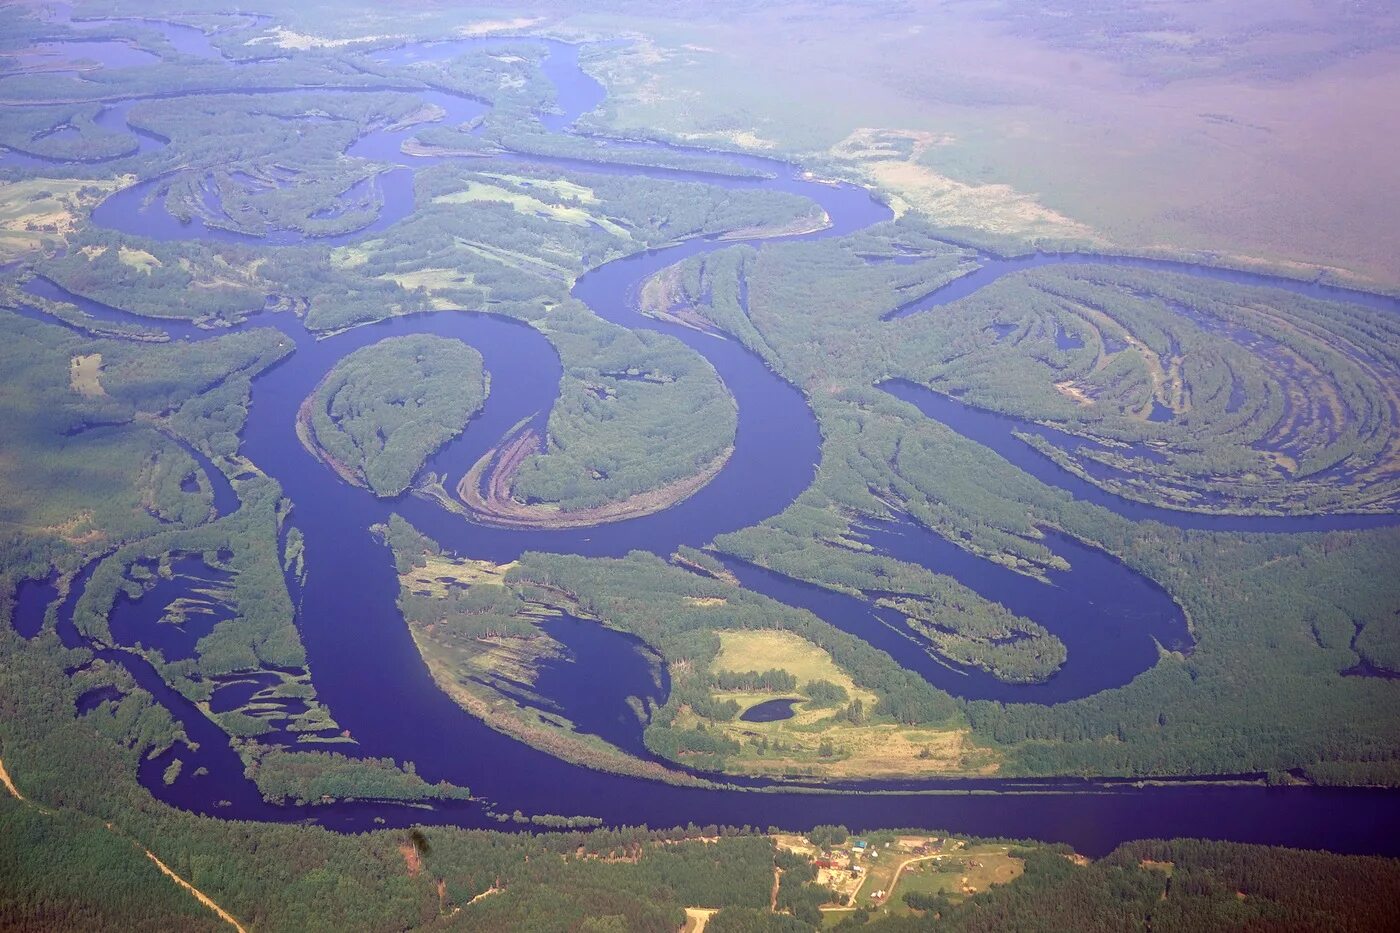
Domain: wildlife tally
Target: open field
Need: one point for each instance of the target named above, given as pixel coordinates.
(84, 375)
(521, 201)
(858, 752)
(941, 866)
(959, 876)
(745, 650)
(40, 212)
(823, 741)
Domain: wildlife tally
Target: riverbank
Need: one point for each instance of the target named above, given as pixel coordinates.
(484, 493)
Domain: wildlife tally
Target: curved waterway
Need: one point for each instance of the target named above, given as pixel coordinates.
(368, 671)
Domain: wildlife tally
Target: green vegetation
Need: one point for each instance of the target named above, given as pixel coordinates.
(73, 857)
(636, 386)
(477, 635)
(1171, 390)
(1184, 884)
(230, 287)
(106, 473)
(383, 410)
(72, 853)
(840, 730)
(321, 777)
(63, 132)
(86, 471)
(637, 412)
(883, 459)
(63, 870)
(1278, 403)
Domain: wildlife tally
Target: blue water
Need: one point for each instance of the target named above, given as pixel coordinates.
(32, 601)
(369, 672)
(770, 711)
(138, 622)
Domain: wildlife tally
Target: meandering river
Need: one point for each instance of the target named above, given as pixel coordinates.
(368, 671)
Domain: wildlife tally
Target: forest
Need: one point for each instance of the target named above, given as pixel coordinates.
(382, 410)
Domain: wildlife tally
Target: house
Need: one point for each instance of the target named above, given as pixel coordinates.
(825, 863)
(859, 845)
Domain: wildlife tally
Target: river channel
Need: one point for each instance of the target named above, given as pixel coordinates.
(368, 671)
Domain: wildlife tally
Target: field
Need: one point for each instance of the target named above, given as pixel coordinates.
(521, 201)
(761, 650)
(817, 741)
(40, 212)
(973, 869)
(85, 375)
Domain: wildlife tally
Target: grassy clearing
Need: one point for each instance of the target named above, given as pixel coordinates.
(821, 742)
(745, 650)
(959, 875)
(560, 187)
(486, 27)
(523, 203)
(40, 212)
(878, 877)
(859, 752)
(892, 161)
(138, 259)
(440, 574)
(352, 257)
(434, 280)
(520, 262)
(84, 375)
(285, 38)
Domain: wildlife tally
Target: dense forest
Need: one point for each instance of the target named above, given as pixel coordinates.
(384, 409)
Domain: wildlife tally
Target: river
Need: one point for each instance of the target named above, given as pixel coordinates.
(368, 671)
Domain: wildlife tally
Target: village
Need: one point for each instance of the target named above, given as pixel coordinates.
(899, 873)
